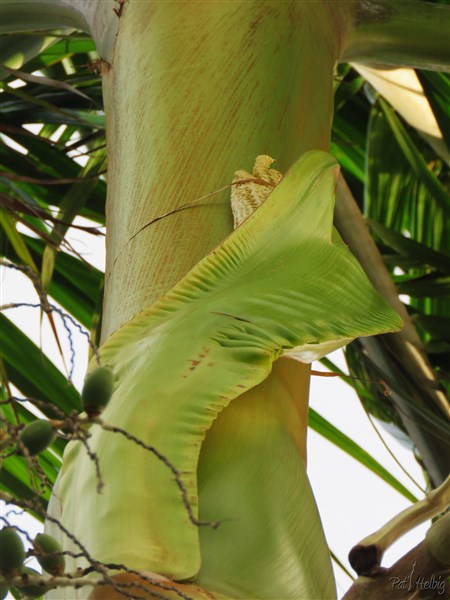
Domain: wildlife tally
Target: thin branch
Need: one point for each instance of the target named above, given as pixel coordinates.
(60, 181)
(191, 205)
(14, 204)
(79, 578)
(49, 308)
(386, 390)
(366, 556)
(82, 141)
(167, 463)
(392, 455)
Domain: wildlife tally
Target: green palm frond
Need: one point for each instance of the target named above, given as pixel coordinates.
(403, 193)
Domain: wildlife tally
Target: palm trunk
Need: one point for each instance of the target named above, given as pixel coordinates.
(197, 91)
(194, 92)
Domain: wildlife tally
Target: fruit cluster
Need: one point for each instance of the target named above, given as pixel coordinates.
(97, 391)
(33, 439)
(12, 555)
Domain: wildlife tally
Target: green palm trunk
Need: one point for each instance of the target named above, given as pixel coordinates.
(223, 83)
(243, 87)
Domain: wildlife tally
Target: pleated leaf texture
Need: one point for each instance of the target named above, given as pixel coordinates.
(283, 283)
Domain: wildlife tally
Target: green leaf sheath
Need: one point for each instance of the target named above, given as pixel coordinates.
(282, 282)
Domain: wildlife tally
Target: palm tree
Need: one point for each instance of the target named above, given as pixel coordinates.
(197, 329)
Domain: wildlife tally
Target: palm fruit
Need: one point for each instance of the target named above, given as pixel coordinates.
(31, 590)
(12, 551)
(37, 436)
(4, 588)
(47, 544)
(97, 390)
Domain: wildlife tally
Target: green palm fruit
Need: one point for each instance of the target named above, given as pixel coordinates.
(97, 390)
(4, 588)
(47, 544)
(37, 436)
(12, 551)
(30, 589)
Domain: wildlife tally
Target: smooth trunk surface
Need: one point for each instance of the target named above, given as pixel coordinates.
(195, 92)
